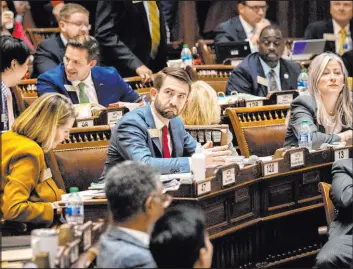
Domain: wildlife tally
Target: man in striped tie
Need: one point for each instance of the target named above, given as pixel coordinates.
(132, 37)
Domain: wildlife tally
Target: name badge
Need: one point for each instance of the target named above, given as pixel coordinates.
(70, 88)
(154, 132)
(262, 81)
(46, 174)
(330, 37)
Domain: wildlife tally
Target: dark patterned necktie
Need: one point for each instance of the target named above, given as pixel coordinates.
(273, 83)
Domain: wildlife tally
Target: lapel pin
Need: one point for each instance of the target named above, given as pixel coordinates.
(100, 84)
(286, 76)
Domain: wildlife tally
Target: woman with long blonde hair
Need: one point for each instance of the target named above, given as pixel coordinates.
(328, 108)
(28, 191)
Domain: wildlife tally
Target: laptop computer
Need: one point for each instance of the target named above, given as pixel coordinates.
(231, 50)
(306, 49)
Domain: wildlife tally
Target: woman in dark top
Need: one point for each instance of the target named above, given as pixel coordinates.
(328, 108)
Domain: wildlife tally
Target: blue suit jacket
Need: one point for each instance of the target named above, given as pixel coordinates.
(118, 249)
(230, 30)
(110, 87)
(131, 140)
(244, 77)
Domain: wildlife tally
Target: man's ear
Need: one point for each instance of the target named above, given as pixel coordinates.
(153, 93)
(148, 204)
(13, 64)
(93, 63)
(62, 25)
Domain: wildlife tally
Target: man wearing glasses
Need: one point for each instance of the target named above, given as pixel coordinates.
(247, 26)
(136, 201)
(73, 21)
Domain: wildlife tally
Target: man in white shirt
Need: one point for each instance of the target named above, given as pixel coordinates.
(335, 29)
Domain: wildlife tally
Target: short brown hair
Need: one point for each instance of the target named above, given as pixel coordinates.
(86, 42)
(177, 73)
(69, 9)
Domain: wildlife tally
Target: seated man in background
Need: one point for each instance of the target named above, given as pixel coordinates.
(73, 21)
(337, 252)
(247, 26)
(348, 62)
(265, 71)
(334, 29)
(154, 134)
(179, 239)
(136, 200)
(82, 81)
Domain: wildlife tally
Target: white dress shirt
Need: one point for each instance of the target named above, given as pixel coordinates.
(89, 89)
(159, 125)
(141, 236)
(249, 31)
(336, 31)
(63, 39)
(267, 70)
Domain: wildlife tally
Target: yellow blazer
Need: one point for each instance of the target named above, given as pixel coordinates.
(27, 188)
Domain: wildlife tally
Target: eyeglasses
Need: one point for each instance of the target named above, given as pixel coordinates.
(257, 8)
(165, 198)
(80, 25)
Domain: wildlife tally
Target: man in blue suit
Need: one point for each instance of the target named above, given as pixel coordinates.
(154, 134)
(82, 81)
(262, 72)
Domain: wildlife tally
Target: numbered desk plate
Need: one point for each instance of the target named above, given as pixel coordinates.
(203, 187)
(297, 159)
(270, 168)
(341, 154)
(114, 116)
(228, 176)
(85, 123)
(254, 103)
(283, 99)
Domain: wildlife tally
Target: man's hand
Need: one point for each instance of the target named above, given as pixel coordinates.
(214, 155)
(144, 73)
(258, 29)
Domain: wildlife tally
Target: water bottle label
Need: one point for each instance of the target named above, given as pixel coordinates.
(73, 211)
(302, 84)
(305, 138)
(185, 58)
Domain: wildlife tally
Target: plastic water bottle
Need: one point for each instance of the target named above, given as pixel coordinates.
(186, 56)
(305, 138)
(198, 163)
(303, 82)
(347, 46)
(74, 208)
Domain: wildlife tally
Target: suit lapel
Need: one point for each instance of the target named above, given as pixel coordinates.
(151, 125)
(240, 29)
(98, 85)
(260, 72)
(143, 14)
(71, 94)
(176, 142)
(284, 76)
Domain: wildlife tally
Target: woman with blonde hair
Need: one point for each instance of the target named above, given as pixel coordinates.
(28, 191)
(203, 108)
(328, 108)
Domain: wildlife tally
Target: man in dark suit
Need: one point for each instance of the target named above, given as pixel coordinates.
(335, 29)
(247, 26)
(82, 81)
(348, 62)
(265, 71)
(136, 200)
(154, 134)
(73, 21)
(338, 251)
(132, 37)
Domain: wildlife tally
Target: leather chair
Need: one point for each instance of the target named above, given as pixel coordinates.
(25, 93)
(207, 51)
(324, 189)
(259, 130)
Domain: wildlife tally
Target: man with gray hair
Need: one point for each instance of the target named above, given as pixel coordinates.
(136, 201)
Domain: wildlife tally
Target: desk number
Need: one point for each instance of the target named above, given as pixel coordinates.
(85, 123)
(297, 159)
(270, 168)
(87, 236)
(341, 154)
(228, 176)
(114, 116)
(254, 103)
(284, 99)
(74, 254)
(203, 188)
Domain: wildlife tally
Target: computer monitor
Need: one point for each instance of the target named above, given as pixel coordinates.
(231, 50)
(305, 49)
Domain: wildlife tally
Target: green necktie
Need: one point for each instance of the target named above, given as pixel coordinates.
(83, 96)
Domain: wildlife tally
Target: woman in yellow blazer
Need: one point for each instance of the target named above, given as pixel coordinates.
(28, 191)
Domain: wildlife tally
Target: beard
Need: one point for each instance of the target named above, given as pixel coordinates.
(168, 112)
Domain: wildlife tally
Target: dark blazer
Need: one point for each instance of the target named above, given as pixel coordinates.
(230, 30)
(49, 54)
(118, 249)
(244, 77)
(109, 86)
(316, 30)
(341, 194)
(348, 62)
(123, 34)
(132, 140)
(305, 108)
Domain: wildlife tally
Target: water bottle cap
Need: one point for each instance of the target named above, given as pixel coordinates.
(304, 70)
(304, 121)
(185, 46)
(73, 189)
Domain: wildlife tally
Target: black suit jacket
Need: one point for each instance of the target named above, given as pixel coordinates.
(348, 62)
(244, 77)
(316, 30)
(122, 32)
(230, 30)
(49, 54)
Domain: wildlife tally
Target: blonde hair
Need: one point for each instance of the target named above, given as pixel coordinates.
(343, 108)
(68, 9)
(39, 122)
(202, 107)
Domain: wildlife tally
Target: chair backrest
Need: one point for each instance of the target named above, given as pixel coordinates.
(207, 51)
(259, 130)
(324, 189)
(218, 134)
(36, 35)
(137, 85)
(25, 93)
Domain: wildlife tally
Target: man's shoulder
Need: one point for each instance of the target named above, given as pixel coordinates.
(50, 43)
(229, 23)
(292, 65)
(249, 61)
(135, 116)
(318, 26)
(53, 74)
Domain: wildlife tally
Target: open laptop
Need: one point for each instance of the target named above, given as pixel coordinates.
(231, 50)
(305, 49)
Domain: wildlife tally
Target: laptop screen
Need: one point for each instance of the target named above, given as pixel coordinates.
(231, 50)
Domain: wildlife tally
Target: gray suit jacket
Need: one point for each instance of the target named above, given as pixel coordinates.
(341, 194)
(230, 30)
(131, 140)
(305, 108)
(118, 249)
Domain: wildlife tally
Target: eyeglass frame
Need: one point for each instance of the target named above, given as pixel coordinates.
(256, 9)
(89, 26)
